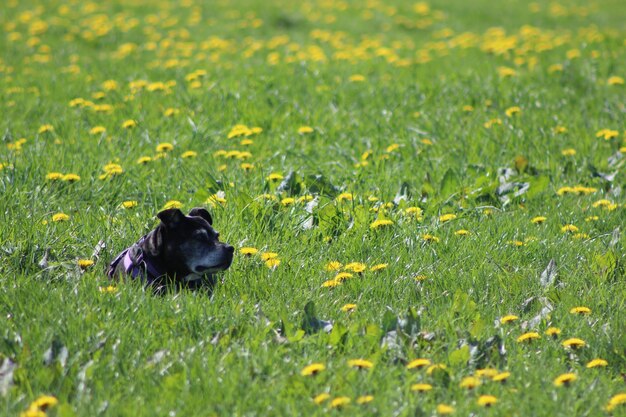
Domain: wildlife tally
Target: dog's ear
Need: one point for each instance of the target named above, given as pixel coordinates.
(202, 212)
(170, 217)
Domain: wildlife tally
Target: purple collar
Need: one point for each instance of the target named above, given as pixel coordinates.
(137, 267)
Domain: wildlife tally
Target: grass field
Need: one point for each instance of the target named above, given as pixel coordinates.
(401, 181)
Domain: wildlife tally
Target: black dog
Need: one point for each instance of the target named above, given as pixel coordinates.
(182, 252)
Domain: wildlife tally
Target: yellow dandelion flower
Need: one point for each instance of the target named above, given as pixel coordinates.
(288, 201)
(468, 108)
(70, 178)
(172, 204)
(60, 217)
(568, 152)
(574, 343)
(392, 147)
(53, 176)
(414, 211)
(320, 398)
(508, 318)
(435, 367)
(268, 255)
(45, 128)
(189, 154)
(538, 219)
(364, 399)
(246, 142)
(580, 310)
(248, 251)
(462, 232)
(144, 160)
(357, 267)
(505, 72)
(492, 122)
(272, 263)
(486, 400)
(614, 401)
(164, 147)
(128, 204)
(129, 124)
(356, 78)
(333, 266)
(447, 217)
(331, 283)
(312, 369)
(569, 228)
(555, 68)
(303, 130)
(615, 80)
(418, 363)
(553, 332)
(97, 130)
(360, 364)
(511, 111)
(592, 219)
(486, 372)
(169, 112)
(342, 276)
(339, 402)
(565, 379)
(247, 167)
(378, 267)
(421, 387)
(444, 409)
(377, 224)
(430, 238)
(305, 199)
(108, 290)
(44, 402)
(501, 377)
(85, 263)
(528, 337)
(596, 363)
(274, 177)
(607, 134)
(469, 382)
(347, 308)
(345, 196)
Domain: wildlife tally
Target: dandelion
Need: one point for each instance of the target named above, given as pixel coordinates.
(189, 154)
(357, 267)
(528, 337)
(53, 176)
(418, 363)
(164, 147)
(169, 112)
(414, 211)
(447, 217)
(538, 220)
(129, 204)
(172, 204)
(97, 130)
(486, 372)
(565, 379)
(469, 382)
(462, 232)
(331, 283)
(380, 223)
(339, 402)
(615, 80)
(360, 363)
(553, 332)
(364, 399)
(506, 72)
(288, 201)
(85, 263)
(435, 367)
(303, 130)
(345, 196)
(45, 128)
(569, 228)
(568, 152)
(378, 267)
(486, 400)
(108, 290)
(596, 363)
(144, 160)
(616, 400)
(508, 318)
(555, 68)
(444, 409)
(501, 377)
(268, 255)
(333, 266)
(70, 178)
(580, 310)
(574, 343)
(430, 238)
(274, 177)
(342, 276)
(467, 108)
(607, 134)
(129, 124)
(421, 387)
(348, 308)
(592, 219)
(320, 398)
(392, 147)
(356, 78)
(272, 263)
(511, 111)
(44, 402)
(60, 217)
(248, 251)
(111, 170)
(312, 369)
(247, 167)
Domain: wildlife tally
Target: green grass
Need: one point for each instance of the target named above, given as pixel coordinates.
(281, 66)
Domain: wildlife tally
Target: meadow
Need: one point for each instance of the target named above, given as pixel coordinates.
(426, 201)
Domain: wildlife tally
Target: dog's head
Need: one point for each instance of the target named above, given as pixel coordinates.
(190, 243)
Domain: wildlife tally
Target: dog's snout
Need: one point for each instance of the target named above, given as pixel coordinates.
(229, 249)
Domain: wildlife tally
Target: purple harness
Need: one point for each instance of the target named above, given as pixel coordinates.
(137, 267)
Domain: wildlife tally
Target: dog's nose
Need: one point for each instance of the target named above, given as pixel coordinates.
(229, 249)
